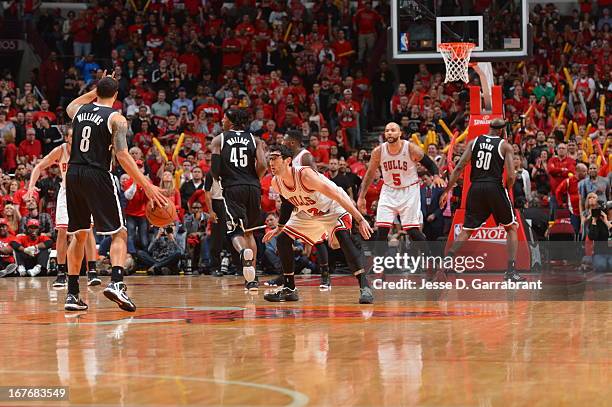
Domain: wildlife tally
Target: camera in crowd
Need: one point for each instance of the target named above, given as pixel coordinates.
(601, 207)
(168, 230)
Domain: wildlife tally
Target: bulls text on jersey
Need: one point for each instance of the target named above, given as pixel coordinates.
(398, 170)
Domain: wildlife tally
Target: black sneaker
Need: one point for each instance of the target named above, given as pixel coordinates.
(282, 295)
(60, 281)
(217, 273)
(513, 275)
(276, 282)
(74, 303)
(366, 296)
(251, 285)
(93, 279)
(325, 282)
(117, 292)
(248, 269)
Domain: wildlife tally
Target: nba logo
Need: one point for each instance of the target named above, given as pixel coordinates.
(404, 42)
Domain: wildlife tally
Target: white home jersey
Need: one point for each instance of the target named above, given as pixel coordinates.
(297, 160)
(398, 170)
(311, 202)
(63, 163)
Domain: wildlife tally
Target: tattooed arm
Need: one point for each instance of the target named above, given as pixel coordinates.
(120, 129)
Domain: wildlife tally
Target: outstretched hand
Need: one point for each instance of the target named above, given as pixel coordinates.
(443, 199)
(365, 229)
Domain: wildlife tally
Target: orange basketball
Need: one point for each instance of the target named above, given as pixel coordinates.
(161, 216)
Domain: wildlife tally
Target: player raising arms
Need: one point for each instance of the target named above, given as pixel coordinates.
(60, 156)
(488, 155)
(322, 210)
(99, 132)
(238, 162)
(400, 194)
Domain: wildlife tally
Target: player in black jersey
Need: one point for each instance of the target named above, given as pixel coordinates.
(99, 131)
(489, 154)
(238, 162)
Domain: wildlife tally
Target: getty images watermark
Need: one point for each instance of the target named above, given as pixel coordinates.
(411, 264)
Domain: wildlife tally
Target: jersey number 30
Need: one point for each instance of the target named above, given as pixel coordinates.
(85, 134)
(483, 160)
(238, 157)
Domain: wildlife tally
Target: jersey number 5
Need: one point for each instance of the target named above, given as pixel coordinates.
(238, 157)
(483, 160)
(397, 180)
(85, 134)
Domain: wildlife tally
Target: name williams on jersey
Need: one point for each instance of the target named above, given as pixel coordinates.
(90, 117)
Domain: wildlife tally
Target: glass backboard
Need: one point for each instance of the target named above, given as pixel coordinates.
(499, 28)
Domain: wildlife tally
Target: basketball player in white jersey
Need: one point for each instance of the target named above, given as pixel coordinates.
(400, 194)
(60, 155)
(302, 157)
(313, 208)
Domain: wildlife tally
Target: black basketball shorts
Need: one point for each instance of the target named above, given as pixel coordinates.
(485, 199)
(93, 193)
(242, 208)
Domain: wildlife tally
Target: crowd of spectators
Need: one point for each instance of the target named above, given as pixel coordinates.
(312, 69)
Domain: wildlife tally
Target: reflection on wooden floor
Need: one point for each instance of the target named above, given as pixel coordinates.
(203, 341)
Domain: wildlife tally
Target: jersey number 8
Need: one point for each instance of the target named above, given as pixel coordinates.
(238, 157)
(85, 134)
(483, 160)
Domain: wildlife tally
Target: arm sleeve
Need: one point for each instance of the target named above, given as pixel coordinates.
(208, 181)
(428, 163)
(215, 165)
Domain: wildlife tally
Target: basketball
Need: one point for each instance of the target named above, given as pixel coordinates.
(161, 216)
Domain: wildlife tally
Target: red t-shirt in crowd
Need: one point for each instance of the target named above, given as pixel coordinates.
(10, 157)
(6, 242)
(559, 169)
(366, 20)
(31, 149)
(136, 206)
(18, 200)
(359, 168)
(320, 155)
(327, 144)
(233, 58)
(268, 194)
(347, 120)
(25, 240)
(213, 108)
(49, 115)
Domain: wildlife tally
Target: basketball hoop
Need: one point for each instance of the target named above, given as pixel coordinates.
(457, 59)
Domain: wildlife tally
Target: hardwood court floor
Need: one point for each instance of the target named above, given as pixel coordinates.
(203, 341)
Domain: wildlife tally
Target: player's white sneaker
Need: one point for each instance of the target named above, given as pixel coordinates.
(22, 271)
(33, 272)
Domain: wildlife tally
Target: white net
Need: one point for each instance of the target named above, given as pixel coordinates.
(457, 59)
